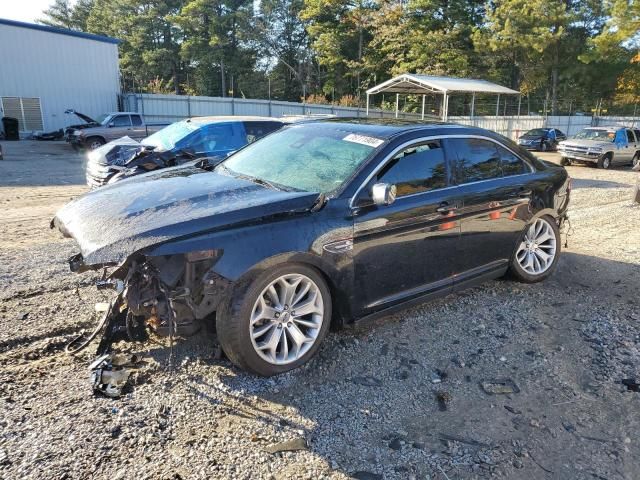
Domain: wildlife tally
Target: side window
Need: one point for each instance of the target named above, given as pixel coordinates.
(121, 121)
(216, 138)
(511, 164)
(419, 168)
(630, 136)
(637, 132)
(255, 130)
(136, 121)
(477, 159)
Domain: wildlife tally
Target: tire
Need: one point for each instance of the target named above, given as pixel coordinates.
(543, 146)
(525, 275)
(94, 142)
(605, 161)
(235, 329)
(636, 160)
(565, 162)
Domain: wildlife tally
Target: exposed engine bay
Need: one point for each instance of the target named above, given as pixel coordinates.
(169, 296)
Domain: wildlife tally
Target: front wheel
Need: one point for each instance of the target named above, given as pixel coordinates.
(604, 162)
(94, 142)
(635, 161)
(537, 253)
(565, 162)
(277, 322)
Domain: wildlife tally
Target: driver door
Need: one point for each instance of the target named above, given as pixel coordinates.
(404, 250)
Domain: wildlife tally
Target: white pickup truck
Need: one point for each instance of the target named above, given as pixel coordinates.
(112, 126)
(602, 146)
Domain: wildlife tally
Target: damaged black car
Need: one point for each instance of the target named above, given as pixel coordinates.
(315, 225)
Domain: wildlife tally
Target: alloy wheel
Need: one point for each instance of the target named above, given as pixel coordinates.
(286, 319)
(538, 248)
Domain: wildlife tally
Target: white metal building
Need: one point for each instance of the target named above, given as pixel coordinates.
(45, 71)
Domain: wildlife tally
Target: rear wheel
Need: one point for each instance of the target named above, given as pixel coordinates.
(565, 162)
(636, 159)
(605, 161)
(278, 322)
(537, 253)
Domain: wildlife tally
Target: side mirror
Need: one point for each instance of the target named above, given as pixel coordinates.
(111, 125)
(383, 194)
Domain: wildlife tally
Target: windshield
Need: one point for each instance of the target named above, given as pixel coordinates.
(103, 119)
(312, 158)
(167, 138)
(536, 132)
(592, 134)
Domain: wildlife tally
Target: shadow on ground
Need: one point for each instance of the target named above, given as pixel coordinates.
(401, 396)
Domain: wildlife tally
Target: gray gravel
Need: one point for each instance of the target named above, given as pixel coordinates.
(396, 398)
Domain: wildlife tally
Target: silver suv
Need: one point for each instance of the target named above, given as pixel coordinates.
(604, 146)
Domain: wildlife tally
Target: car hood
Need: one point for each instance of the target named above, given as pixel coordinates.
(531, 137)
(81, 116)
(116, 152)
(116, 221)
(579, 142)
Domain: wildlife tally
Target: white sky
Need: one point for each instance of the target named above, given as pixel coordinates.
(23, 10)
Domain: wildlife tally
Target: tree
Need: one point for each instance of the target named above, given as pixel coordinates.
(216, 38)
(282, 38)
(340, 31)
(64, 14)
(149, 52)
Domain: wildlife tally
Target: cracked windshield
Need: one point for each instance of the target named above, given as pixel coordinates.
(308, 158)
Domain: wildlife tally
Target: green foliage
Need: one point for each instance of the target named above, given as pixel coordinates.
(577, 51)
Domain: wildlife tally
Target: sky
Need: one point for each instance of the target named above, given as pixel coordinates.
(23, 10)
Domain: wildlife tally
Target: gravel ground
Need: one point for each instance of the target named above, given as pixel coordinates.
(398, 398)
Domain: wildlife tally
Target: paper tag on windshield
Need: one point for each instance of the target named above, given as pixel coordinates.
(363, 140)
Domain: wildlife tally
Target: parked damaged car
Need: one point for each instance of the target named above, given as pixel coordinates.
(317, 224)
(541, 139)
(180, 142)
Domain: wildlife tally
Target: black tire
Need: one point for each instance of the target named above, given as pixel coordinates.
(94, 142)
(233, 328)
(565, 162)
(544, 146)
(518, 273)
(635, 160)
(605, 161)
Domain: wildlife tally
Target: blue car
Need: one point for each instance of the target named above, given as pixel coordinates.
(541, 139)
(196, 138)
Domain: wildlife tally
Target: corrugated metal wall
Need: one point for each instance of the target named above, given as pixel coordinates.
(170, 108)
(63, 71)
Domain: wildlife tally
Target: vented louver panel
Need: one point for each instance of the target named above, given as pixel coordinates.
(26, 109)
(32, 114)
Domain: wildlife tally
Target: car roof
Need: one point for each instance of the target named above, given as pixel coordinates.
(232, 118)
(383, 128)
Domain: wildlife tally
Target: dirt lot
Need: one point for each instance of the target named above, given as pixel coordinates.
(397, 398)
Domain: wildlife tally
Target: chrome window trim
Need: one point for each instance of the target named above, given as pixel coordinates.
(406, 144)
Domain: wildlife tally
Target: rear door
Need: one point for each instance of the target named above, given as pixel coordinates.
(496, 186)
(404, 250)
(138, 129)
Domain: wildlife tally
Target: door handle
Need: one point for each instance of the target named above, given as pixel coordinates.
(445, 208)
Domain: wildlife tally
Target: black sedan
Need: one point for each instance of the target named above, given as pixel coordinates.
(541, 139)
(317, 224)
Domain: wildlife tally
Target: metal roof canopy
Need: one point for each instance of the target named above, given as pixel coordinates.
(414, 84)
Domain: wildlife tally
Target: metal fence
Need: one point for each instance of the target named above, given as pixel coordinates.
(171, 108)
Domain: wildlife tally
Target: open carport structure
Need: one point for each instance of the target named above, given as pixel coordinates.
(414, 84)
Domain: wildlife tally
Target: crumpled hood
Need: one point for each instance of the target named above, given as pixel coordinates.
(115, 221)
